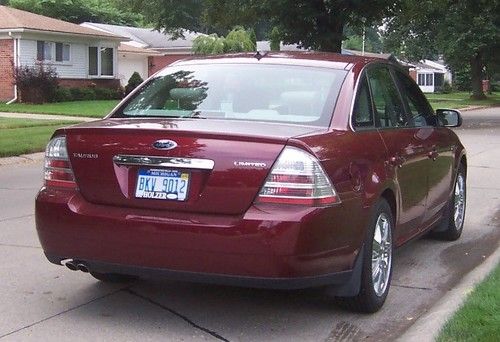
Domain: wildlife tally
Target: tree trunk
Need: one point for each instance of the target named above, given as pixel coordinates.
(331, 29)
(476, 68)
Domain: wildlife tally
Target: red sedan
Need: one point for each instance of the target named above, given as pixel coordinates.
(269, 170)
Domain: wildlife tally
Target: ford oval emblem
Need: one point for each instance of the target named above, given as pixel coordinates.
(164, 144)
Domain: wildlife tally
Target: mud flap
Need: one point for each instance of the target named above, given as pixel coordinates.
(353, 286)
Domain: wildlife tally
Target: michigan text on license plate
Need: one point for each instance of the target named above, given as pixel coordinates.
(162, 184)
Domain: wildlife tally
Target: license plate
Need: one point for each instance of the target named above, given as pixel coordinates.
(162, 184)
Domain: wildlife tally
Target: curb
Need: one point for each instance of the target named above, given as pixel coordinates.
(46, 117)
(428, 326)
(466, 109)
(22, 159)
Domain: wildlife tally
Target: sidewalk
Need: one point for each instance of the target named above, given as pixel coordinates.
(428, 326)
(46, 117)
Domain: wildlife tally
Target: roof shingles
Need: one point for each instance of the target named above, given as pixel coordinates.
(11, 18)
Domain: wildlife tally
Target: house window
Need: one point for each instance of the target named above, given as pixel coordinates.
(93, 67)
(43, 51)
(101, 61)
(421, 79)
(107, 61)
(62, 52)
(425, 79)
(46, 51)
(429, 78)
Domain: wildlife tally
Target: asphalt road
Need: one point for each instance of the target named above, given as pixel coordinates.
(41, 302)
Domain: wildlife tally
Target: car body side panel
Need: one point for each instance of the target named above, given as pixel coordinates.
(357, 170)
(441, 175)
(407, 154)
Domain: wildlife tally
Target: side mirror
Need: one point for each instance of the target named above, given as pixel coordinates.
(449, 117)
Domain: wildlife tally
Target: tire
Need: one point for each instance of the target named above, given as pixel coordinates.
(452, 224)
(375, 286)
(112, 277)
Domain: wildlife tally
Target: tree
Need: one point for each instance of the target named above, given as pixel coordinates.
(354, 39)
(79, 11)
(314, 24)
(318, 24)
(238, 40)
(466, 32)
(275, 39)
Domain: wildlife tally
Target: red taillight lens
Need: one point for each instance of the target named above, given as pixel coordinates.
(298, 178)
(58, 172)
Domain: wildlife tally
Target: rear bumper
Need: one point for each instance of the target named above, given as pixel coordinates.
(265, 247)
(339, 278)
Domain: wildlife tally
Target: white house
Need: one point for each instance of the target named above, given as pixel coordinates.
(147, 50)
(431, 75)
(81, 56)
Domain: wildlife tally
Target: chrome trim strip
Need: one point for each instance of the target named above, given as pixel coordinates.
(154, 161)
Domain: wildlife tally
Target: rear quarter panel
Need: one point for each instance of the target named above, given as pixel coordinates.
(354, 161)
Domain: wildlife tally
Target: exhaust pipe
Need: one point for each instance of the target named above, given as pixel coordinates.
(83, 268)
(71, 265)
(75, 265)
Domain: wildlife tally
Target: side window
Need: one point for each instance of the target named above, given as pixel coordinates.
(362, 115)
(420, 110)
(389, 110)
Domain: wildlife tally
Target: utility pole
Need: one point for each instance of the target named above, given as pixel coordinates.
(364, 37)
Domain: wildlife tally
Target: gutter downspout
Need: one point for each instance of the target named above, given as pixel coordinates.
(16, 44)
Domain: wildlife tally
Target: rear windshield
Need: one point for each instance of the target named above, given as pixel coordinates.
(275, 93)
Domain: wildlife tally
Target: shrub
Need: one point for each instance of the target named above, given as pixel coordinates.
(36, 84)
(208, 45)
(63, 95)
(105, 94)
(447, 87)
(275, 39)
(462, 79)
(133, 82)
(82, 94)
(238, 40)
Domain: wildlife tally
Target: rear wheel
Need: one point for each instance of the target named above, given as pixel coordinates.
(452, 224)
(377, 263)
(112, 277)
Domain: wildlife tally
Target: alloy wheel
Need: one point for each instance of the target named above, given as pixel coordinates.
(381, 254)
(459, 202)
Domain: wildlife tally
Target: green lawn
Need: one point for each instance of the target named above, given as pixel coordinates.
(21, 136)
(479, 318)
(461, 100)
(94, 109)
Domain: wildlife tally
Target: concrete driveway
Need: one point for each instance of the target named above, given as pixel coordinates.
(40, 301)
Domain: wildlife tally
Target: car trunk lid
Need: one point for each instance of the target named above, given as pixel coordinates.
(223, 163)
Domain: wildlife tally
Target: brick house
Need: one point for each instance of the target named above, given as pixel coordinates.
(81, 56)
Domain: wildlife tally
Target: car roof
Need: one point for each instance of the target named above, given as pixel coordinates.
(303, 58)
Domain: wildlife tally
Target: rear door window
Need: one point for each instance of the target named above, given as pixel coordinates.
(389, 109)
(362, 116)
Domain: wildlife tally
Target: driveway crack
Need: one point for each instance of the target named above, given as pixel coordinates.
(181, 316)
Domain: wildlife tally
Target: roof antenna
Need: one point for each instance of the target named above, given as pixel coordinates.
(259, 55)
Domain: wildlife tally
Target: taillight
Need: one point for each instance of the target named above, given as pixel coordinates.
(298, 178)
(58, 172)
